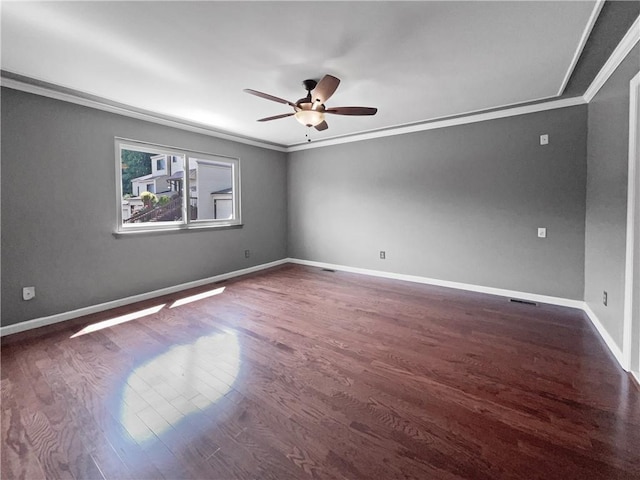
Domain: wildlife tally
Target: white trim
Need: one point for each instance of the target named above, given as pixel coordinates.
(61, 317)
(583, 40)
(127, 111)
(636, 375)
(502, 111)
(534, 297)
(632, 195)
(608, 340)
(187, 223)
(619, 54)
(432, 125)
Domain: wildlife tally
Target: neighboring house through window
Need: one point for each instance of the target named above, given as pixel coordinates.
(152, 182)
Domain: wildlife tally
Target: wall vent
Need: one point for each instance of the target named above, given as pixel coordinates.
(524, 302)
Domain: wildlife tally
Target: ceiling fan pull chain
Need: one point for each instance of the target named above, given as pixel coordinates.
(308, 134)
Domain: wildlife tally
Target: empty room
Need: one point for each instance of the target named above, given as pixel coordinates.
(324, 240)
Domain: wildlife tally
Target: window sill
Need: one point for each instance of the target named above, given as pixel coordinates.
(171, 230)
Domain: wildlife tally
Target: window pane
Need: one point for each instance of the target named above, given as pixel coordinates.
(211, 196)
(160, 185)
(151, 187)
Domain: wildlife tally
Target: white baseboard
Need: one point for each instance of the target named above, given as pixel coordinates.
(533, 297)
(563, 302)
(636, 375)
(613, 347)
(61, 317)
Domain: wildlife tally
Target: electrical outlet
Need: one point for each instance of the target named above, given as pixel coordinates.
(604, 298)
(383, 255)
(544, 139)
(28, 293)
(247, 253)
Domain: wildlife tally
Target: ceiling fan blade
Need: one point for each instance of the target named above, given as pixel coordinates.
(268, 97)
(275, 117)
(325, 88)
(352, 110)
(322, 126)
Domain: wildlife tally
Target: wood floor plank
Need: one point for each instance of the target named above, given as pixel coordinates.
(90, 437)
(297, 372)
(19, 460)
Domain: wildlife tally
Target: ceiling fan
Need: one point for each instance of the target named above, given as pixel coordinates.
(310, 110)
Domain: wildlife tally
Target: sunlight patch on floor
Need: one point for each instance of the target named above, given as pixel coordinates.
(118, 320)
(184, 380)
(195, 298)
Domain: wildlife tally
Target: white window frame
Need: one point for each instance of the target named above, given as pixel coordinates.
(186, 223)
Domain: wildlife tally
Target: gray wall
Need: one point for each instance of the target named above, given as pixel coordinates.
(460, 204)
(606, 218)
(59, 211)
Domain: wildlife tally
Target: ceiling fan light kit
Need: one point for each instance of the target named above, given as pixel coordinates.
(310, 110)
(309, 118)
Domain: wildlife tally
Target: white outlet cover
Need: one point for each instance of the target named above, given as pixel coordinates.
(28, 293)
(544, 139)
(542, 232)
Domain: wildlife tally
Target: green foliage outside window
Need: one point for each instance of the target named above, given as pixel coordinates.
(134, 164)
(149, 199)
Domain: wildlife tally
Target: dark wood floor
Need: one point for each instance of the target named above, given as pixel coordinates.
(303, 373)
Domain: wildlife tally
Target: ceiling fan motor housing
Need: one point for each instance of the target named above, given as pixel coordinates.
(309, 84)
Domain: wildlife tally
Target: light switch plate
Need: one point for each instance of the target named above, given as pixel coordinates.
(544, 139)
(542, 232)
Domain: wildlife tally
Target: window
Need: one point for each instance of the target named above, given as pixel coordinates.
(192, 190)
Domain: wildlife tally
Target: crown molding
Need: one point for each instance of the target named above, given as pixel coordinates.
(37, 87)
(619, 54)
(583, 41)
(436, 124)
(44, 89)
(67, 95)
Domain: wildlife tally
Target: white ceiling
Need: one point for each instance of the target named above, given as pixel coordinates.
(415, 61)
